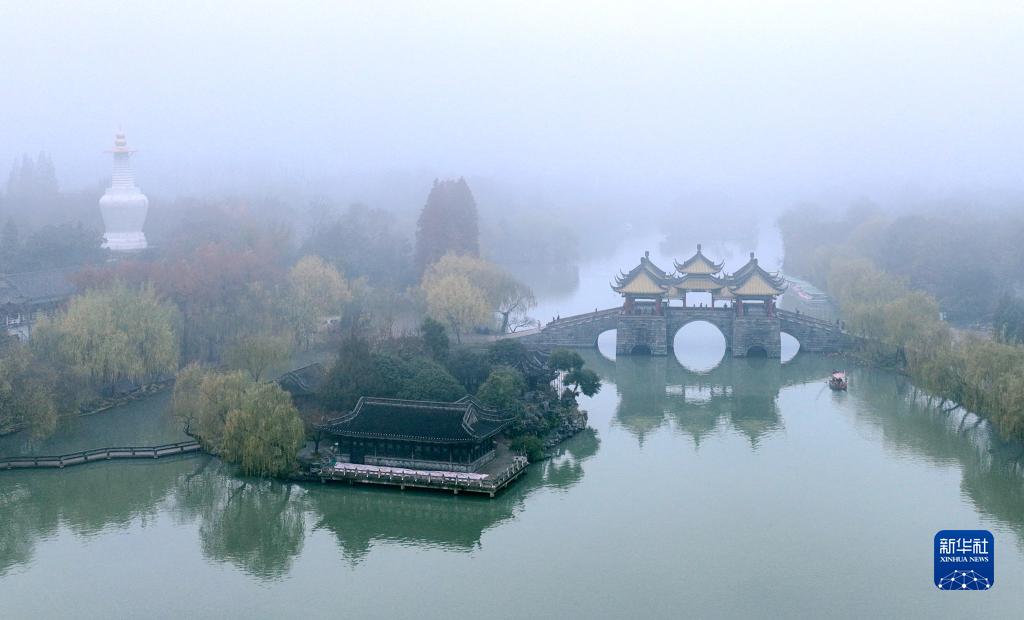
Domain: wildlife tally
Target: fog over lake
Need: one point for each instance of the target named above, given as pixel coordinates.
(657, 104)
(527, 309)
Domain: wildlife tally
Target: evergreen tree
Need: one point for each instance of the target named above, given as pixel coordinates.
(448, 223)
(503, 389)
(44, 183)
(10, 247)
(21, 180)
(32, 184)
(435, 339)
(32, 194)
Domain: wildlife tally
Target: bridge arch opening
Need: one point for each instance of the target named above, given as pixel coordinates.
(606, 342)
(699, 346)
(757, 351)
(790, 347)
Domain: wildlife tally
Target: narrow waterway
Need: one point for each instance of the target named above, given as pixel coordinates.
(712, 487)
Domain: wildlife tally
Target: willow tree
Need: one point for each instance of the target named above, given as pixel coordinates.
(257, 353)
(318, 290)
(219, 395)
(186, 402)
(115, 334)
(506, 296)
(26, 398)
(265, 433)
(453, 300)
(245, 422)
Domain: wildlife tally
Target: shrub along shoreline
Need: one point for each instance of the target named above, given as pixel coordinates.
(901, 329)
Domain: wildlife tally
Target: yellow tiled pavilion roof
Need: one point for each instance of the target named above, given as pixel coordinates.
(750, 265)
(751, 280)
(646, 279)
(698, 264)
(756, 285)
(695, 282)
(640, 283)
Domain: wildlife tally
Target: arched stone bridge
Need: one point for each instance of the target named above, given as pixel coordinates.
(755, 332)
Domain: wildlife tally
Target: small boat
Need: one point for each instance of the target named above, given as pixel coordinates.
(838, 381)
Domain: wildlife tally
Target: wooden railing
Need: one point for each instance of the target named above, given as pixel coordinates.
(449, 481)
(99, 454)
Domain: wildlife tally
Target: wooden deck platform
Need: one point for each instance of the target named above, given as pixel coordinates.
(422, 479)
(99, 454)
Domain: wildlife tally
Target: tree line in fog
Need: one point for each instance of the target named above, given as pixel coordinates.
(896, 280)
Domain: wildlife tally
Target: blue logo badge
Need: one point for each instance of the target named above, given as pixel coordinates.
(964, 560)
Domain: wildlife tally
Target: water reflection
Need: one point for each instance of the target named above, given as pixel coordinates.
(86, 500)
(992, 469)
(565, 468)
(360, 517)
(256, 525)
(739, 394)
(260, 527)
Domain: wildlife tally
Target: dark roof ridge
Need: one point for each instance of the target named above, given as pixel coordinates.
(476, 421)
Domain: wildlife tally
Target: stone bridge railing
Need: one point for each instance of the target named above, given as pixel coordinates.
(814, 335)
(742, 333)
(580, 330)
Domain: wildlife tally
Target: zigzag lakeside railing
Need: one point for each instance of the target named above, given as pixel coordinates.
(99, 454)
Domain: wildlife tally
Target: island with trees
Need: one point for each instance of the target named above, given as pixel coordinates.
(227, 300)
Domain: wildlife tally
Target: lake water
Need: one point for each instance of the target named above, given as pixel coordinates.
(746, 489)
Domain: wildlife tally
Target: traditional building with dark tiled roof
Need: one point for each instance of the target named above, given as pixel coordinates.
(457, 436)
(25, 297)
(303, 382)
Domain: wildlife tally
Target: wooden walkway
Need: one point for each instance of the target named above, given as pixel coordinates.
(416, 479)
(99, 454)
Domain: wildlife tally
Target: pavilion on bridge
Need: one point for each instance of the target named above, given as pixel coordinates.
(751, 285)
(644, 288)
(699, 274)
(647, 289)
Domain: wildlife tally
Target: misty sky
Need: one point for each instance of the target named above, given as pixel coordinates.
(787, 101)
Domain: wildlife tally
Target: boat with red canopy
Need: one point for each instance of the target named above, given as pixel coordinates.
(837, 381)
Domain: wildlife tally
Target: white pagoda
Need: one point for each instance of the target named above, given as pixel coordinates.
(123, 206)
